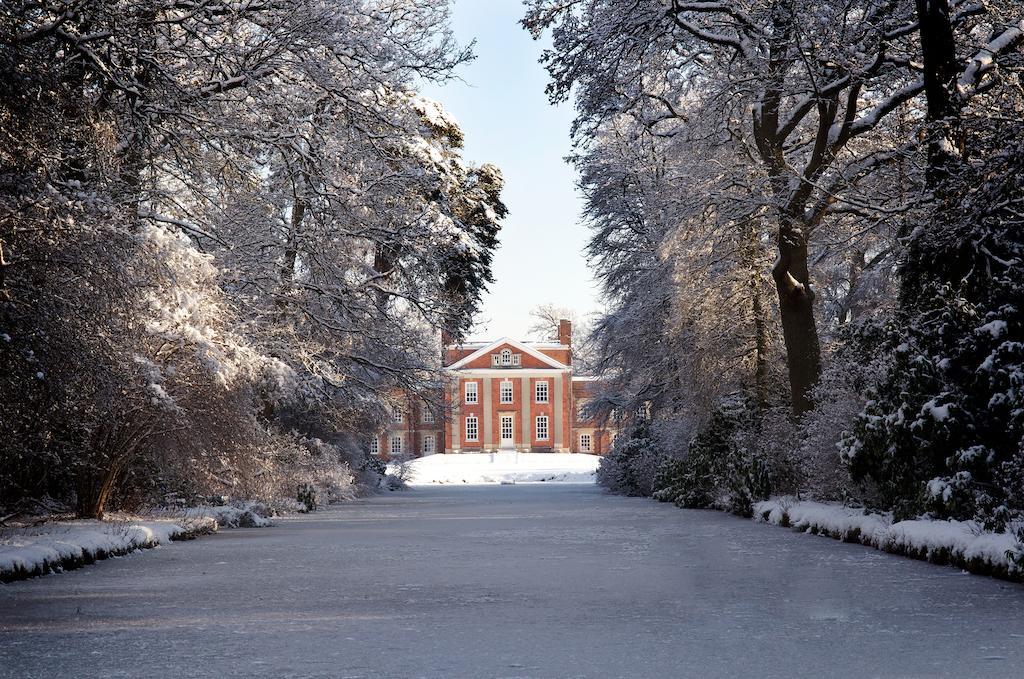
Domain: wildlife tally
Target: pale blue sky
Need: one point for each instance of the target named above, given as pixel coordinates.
(502, 108)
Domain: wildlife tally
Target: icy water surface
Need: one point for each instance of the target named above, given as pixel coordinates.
(512, 581)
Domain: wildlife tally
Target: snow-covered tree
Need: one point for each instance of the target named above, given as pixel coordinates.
(812, 93)
(230, 219)
(943, 431)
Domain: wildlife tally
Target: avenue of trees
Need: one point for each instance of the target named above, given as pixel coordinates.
(808, 221)
(227, 231)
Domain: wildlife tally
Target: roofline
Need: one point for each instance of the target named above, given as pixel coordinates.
(526, 348)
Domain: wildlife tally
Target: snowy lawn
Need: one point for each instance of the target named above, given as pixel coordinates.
(960, 543)
(504, 467)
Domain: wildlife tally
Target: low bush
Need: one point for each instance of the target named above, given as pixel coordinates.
(632, 465)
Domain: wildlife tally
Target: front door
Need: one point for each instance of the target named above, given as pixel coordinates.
(506, 432)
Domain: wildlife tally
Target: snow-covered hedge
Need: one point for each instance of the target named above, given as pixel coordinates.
(240, 515)
(62, 545)
(963, 544)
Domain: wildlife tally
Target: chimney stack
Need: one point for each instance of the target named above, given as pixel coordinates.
(565, 332)
(446, 340)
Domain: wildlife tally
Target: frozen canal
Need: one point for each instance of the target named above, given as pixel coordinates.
(524, 581)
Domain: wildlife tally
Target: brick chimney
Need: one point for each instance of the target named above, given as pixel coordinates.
(446, 339)
(565, 332)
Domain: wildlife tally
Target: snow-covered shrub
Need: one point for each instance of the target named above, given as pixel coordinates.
(632, 464)
(306, 496)
(735, 460)
(715, 466)
(853, 366)
(398, 473)
(943, 430)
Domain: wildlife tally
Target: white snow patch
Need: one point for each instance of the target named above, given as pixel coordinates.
(51, 545)
(961, 541)
(503, 467)
(995, 328)
(938, 413)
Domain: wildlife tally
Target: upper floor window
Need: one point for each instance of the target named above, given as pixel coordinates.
(506, 359)
(396, 415)
(506, 392)
(472, 428)
(472, 396)
(581, 410)
(541, 392)
(426, 415)
(374, 446)
(542, 427)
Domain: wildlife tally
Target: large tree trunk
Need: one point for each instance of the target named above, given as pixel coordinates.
(796, 307)
(762, 338)
(945, 134)
(946, 149)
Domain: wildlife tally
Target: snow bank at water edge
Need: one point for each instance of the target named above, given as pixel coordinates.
(56, 546)
(510, 467)
(963, 544)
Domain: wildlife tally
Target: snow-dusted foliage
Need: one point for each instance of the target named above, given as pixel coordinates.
(632, 465)
(944, 429)
(723, 465)
(726, 149)
(228, 230)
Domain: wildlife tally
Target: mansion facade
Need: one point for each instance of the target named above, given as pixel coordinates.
(503, 395)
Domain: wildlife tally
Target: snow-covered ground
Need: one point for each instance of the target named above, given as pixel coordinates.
(538, 580)
(961, 543)
(57, 545)
(502, 467)
(45, 547)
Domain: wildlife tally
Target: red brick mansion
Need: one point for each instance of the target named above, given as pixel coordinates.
(503, 395)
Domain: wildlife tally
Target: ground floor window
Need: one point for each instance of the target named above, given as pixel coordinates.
(472, 428)
(428, 444)
(374, 446)
(586, 443)
(396, 445)
(542, 427)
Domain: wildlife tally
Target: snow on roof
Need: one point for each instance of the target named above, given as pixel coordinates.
(525, 348)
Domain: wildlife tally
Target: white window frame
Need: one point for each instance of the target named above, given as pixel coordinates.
(397, 416)
(542, 419)
(374, 446)
(475, 436)
(471, 395)
(506, 357)
(426, 415)
(431, 449)
(396, 440)
(537, 389)
(511, 392)
(587, 447)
